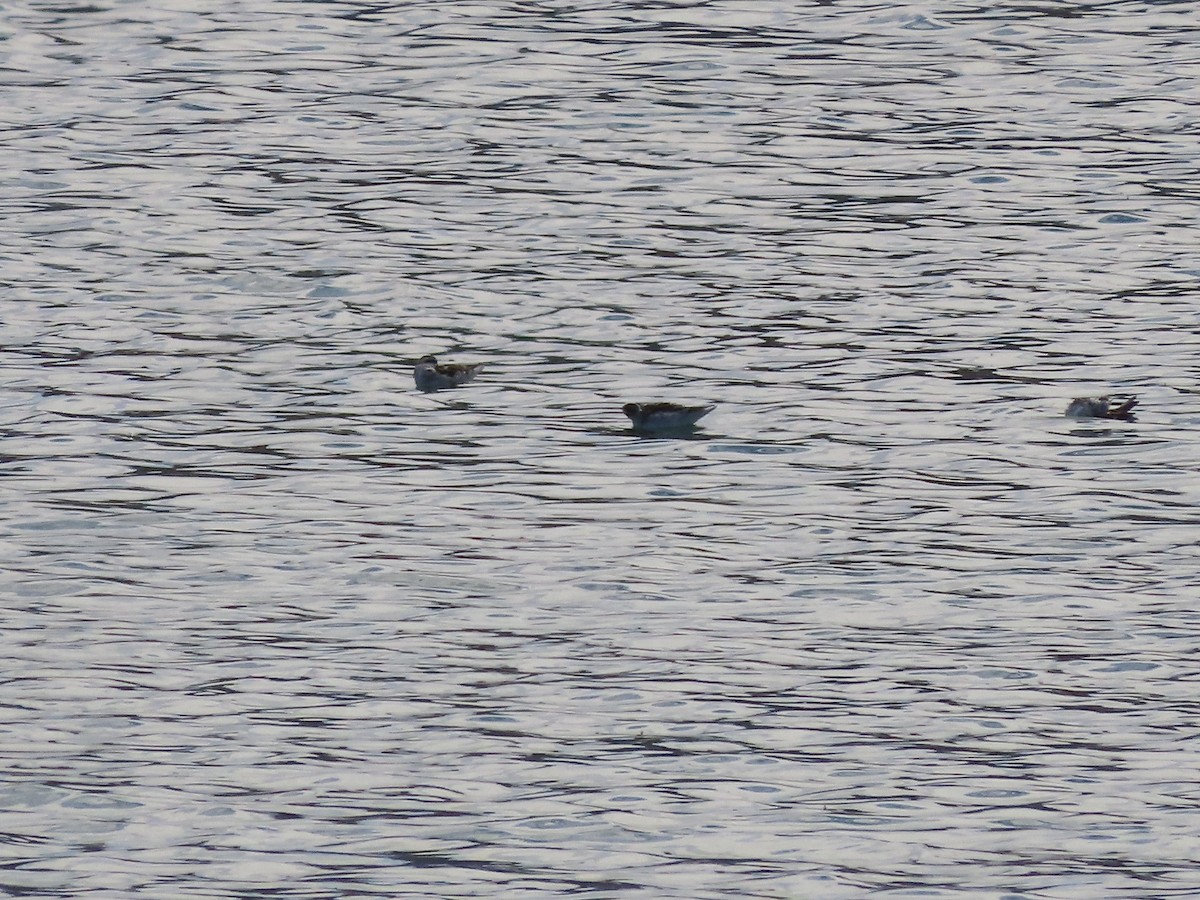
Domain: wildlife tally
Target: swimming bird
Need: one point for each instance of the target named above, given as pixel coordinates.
(430, 376)
(1101, 408)
(664, 416)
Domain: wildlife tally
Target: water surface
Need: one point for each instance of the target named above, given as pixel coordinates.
(888, 625)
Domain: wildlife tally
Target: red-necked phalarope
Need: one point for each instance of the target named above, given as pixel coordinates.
(1101, 408)
(429, 376)
(664, 416)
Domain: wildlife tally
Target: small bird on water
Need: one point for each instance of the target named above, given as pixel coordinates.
(664, 416)
(1102, 408)
(430, 376)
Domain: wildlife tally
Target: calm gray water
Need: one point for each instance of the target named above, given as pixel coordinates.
(276, 625)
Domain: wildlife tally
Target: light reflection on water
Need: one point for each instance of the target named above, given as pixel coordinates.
(887, 623)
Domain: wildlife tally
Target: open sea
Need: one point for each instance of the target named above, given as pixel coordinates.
(888, 625)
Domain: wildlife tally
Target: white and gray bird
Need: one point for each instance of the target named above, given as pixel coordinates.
(1102, 408)
(430, 376)
(664, 416)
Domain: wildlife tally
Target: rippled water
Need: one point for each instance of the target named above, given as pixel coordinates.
(889, 625)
